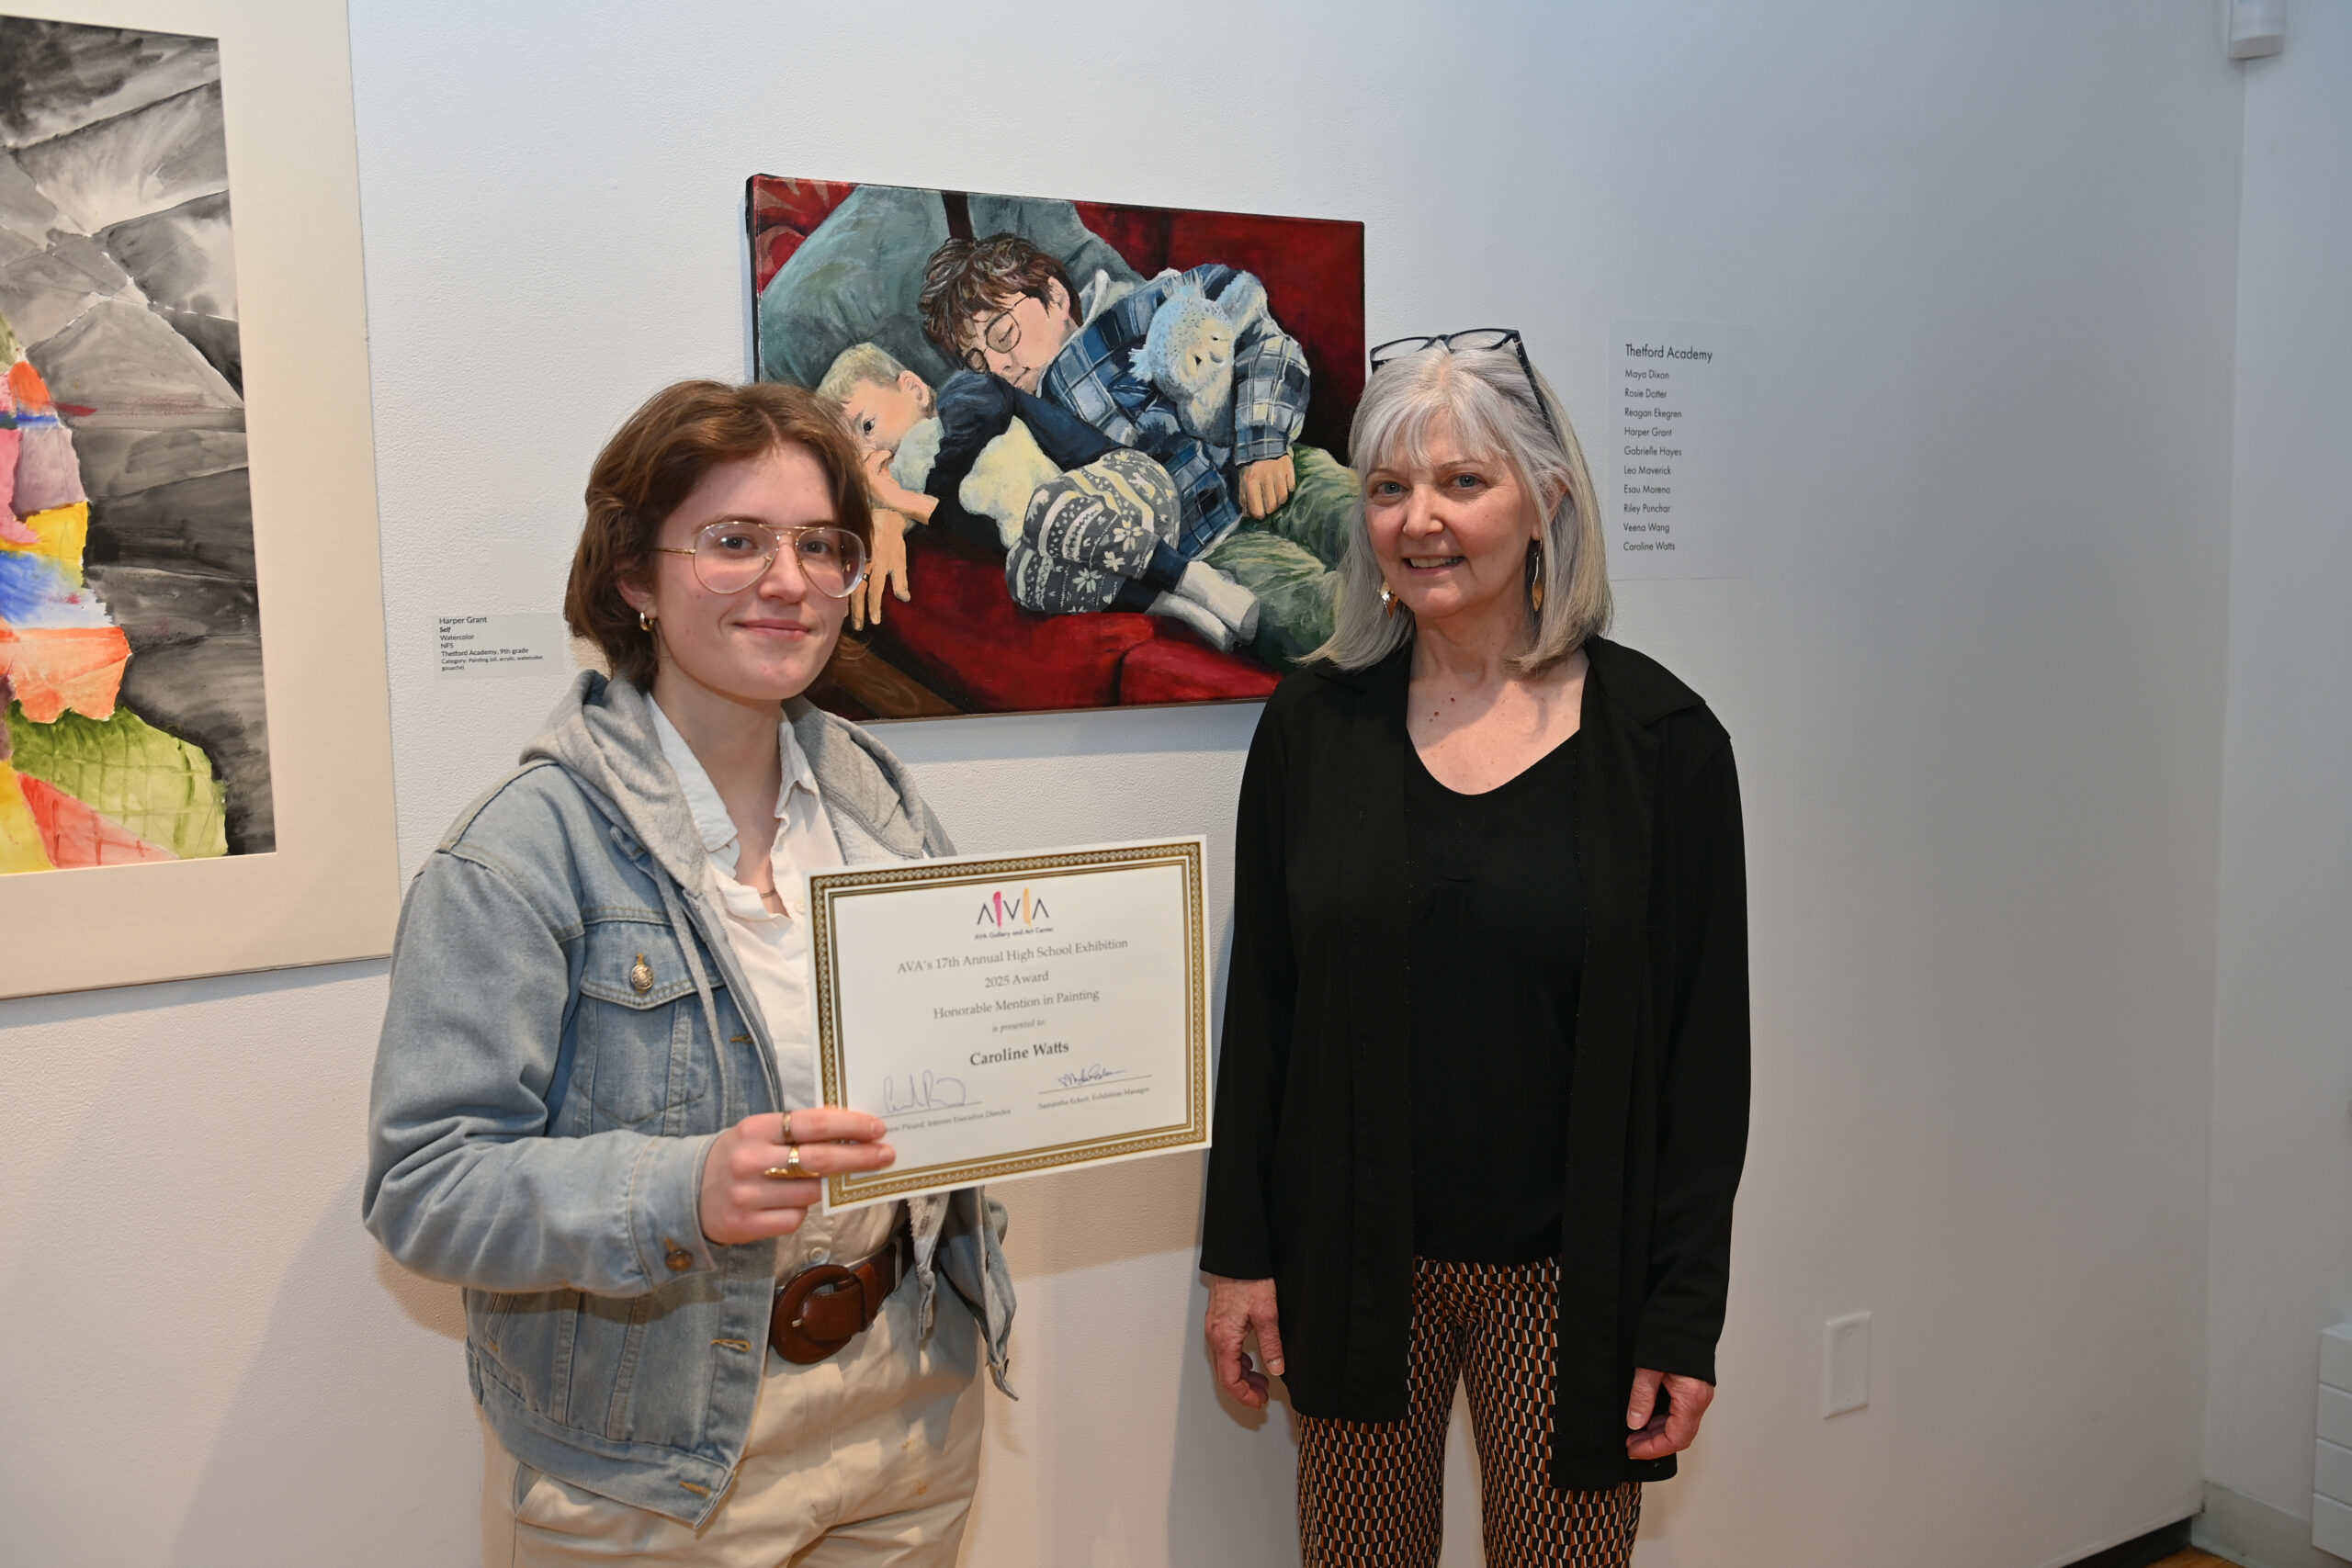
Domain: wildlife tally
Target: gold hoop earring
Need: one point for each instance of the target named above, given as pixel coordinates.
(1535, 574)
(644, 622)
(1387, 600)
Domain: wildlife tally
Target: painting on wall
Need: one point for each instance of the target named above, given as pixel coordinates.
(131, 651)
(186, 476)
(1107, 443)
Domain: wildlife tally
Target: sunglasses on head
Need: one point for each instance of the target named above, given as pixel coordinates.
(1474, 338)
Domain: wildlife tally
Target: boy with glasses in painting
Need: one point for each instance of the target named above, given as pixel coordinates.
(1217, 408)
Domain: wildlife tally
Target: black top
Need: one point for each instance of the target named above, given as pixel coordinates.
(1318, 1149)
(1497, 920)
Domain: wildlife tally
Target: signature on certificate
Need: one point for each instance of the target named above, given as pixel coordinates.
(1078, 1078)
(922, 1092)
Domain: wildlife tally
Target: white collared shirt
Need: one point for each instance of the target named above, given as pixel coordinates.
(772, 951)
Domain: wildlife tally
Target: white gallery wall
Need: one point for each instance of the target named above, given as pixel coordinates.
(1990, 252)
(2282, 1082)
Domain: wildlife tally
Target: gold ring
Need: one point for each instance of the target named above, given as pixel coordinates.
(791, 1169)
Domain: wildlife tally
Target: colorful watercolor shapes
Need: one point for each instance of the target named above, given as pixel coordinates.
(130, 672)
(84, 780)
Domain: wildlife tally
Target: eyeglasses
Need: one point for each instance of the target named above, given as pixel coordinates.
(1002, 333)
(731, 557)
(1474, 338)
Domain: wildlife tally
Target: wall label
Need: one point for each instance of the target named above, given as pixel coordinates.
(1674, 502)
(472, 646)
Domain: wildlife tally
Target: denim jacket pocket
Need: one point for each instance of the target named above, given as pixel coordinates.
(487, 1313)
(526, 1337)
(645, 1060)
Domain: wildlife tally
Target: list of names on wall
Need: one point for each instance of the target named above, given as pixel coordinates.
(470, 647)
(1678, 501)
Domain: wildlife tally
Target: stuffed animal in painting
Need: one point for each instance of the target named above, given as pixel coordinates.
(1187, 353)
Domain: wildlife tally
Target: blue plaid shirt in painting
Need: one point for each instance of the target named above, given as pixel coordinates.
(1094, 377)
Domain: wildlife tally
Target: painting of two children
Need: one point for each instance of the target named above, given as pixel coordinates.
(1123, 444)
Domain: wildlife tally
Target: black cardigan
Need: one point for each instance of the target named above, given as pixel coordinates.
(1310, 1181)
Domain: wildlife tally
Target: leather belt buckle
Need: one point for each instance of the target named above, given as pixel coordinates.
(821, 1310)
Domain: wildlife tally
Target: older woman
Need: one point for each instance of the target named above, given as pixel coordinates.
(1482, 1101)
(597, 1103)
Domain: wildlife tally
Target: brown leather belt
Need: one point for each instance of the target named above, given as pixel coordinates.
(821, 1309)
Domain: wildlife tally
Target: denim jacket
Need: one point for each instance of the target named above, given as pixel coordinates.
(540, 1115)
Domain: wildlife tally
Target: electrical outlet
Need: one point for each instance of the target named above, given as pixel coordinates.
(1846, 1364)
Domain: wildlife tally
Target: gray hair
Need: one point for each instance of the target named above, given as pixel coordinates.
(1495, 406)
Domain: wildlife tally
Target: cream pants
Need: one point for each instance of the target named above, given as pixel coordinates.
(865, 1460)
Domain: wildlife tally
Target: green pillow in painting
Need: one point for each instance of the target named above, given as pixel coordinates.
(859, 277)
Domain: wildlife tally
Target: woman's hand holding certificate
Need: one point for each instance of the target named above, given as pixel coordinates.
(751, 1185)
(1014, 1014)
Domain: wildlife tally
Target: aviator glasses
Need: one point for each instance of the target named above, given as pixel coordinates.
(731, 557)
(1000, 333)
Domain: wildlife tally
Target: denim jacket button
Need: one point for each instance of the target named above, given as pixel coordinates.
(679, 1259)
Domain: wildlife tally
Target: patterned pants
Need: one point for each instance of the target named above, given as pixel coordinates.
(1087, 534)
(1370, 1493)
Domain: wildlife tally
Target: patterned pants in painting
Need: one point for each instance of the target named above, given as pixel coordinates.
(1370, 1492)
(1089, 531)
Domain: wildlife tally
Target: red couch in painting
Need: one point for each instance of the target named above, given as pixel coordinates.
(1033, 662)
(961, 644)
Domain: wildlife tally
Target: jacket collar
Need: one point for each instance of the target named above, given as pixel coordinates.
(859, 777)
(603, 734)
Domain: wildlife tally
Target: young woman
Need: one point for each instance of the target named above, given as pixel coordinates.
(595, 1100)
(1482, 1098)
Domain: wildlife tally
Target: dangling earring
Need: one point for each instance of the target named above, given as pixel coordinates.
(1387, 600)
(644, 622)
(1535, 574)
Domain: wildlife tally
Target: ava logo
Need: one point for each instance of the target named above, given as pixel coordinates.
(999, 911)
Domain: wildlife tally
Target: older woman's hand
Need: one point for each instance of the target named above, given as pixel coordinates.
(1236, 1308)
(1656, 1432)
(741, 1203)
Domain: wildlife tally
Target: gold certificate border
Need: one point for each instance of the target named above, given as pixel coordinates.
(826, 886)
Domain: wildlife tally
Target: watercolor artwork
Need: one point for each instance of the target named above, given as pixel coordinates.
(1106, 442)
(131, 658)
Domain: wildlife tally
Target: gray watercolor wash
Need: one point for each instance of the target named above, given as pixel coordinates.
(121, 359)
(182, 261)
(120, 462)
(117, 273)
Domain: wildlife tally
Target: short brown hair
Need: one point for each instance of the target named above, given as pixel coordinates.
(654, 461)
(965, 277)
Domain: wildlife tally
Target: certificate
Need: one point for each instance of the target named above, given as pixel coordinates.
(1007, 1015)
